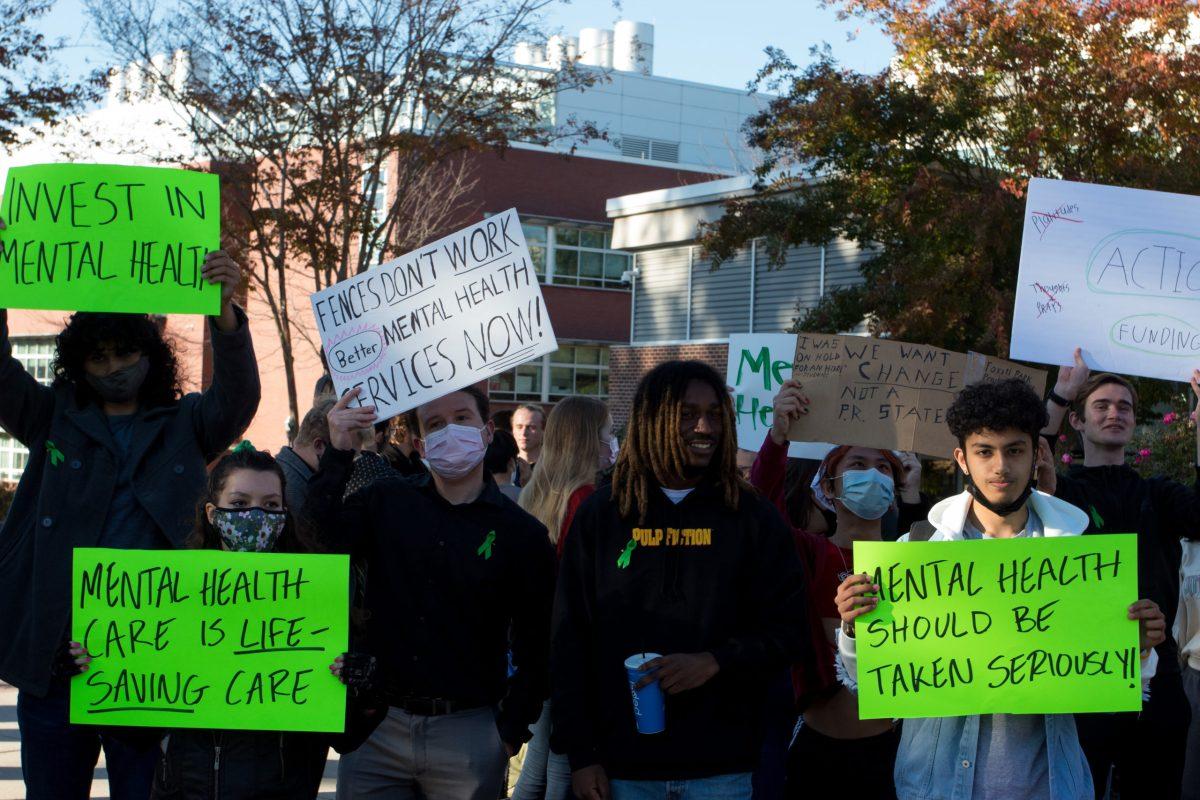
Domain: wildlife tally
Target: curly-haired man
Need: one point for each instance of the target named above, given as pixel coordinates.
(1008, 756)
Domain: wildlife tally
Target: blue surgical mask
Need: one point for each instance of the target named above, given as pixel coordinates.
(867, 493)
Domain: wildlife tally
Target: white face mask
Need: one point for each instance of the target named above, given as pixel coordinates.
(609, 458)
(455, 450)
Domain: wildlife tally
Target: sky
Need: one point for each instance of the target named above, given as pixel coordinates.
(719, 43)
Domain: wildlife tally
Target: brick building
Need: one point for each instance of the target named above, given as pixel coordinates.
(660, 132)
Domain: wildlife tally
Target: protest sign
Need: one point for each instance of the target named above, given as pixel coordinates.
(1113, 271)
(95, 237)
(210, 639)
(442, 317)
(1005, 626)
(757, 365)
(888, 394)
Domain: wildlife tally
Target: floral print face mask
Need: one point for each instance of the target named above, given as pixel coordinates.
(249, 530)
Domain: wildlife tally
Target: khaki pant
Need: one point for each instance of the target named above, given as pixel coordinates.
(451, 757)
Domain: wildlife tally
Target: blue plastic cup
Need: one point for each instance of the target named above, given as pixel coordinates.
(649, 708)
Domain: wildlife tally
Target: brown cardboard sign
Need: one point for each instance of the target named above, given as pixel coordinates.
(888, 394)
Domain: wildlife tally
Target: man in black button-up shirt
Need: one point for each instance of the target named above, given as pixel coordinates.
(456, 575)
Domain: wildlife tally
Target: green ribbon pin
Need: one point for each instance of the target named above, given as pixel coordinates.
(485, 549)
(56, 456)
(626, 554)
(1097, 520)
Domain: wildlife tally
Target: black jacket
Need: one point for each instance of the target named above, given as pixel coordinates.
(449, 589)
(705, 579)
(239, 765)
(1160, 511)
(61, 502)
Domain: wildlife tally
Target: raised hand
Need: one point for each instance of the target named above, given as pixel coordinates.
(787, 407)
(348, 426)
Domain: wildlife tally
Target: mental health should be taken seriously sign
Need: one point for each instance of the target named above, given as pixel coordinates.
(210, 639)
(96, 237)
(1114, 271)
(888, 394)
(442, 317)
(1006, 626)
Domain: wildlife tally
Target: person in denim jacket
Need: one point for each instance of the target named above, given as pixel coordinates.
(1009, 756)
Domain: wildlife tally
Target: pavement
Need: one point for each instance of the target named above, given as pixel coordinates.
(12, 788)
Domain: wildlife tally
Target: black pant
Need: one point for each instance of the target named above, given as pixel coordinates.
(820, 766)
(1145, 751)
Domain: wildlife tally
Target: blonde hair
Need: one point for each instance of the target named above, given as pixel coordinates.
(570, 459)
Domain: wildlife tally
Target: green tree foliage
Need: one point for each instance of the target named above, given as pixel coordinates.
(926, 163)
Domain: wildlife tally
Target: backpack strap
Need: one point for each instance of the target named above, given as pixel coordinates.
(921, 531)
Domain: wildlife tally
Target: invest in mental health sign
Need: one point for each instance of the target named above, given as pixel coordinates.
(210, 639)
(1005, 626)
(98, 237)
(445, 316)
(1114, 271)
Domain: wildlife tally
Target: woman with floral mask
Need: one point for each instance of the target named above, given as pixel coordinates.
(860, 486)
(578, 446)
(243, 510)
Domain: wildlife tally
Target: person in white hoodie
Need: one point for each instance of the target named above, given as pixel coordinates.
(993, 756)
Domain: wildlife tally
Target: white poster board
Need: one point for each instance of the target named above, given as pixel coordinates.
(757, 366)
(1114, 271)
(442, 317)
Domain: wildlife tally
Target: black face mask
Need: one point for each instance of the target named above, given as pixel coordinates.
(122, 385)
(1001, 510)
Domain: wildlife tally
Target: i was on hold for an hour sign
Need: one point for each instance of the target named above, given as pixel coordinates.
(99, 237)
(1004, 626)
(210, 639)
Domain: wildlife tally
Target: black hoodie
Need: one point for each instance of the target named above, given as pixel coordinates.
(702, 578)
(1160, 511)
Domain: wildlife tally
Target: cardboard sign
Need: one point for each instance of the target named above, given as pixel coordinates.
(1114, 271)
(210, 639)
(445, 316)
(94, 237)
(888, 394)
(758, 364)
(1005, 626)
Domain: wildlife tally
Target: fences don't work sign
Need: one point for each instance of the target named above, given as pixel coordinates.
(210, 639)
(448, 315)
(1011, 626)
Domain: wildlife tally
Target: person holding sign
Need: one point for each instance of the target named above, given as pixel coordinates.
(1147, 749)
(117, 459)
(1009, 756)
(456, 571)
(861, 485)
(680, 557)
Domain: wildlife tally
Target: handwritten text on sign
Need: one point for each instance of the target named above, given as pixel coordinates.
(1115, 271)
(888, 394)
(445, 316)
(93, 237)
(757, 366)
(210, 639)
(1012, 626)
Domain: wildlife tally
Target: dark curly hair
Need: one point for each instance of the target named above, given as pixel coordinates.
(997, 406)
(204, 536)
(87, 331)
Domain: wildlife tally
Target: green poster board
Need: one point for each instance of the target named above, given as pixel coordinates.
(210, 639)
(1013, 626)
(96, 237)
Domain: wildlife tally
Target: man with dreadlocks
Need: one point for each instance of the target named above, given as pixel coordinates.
(678, 556)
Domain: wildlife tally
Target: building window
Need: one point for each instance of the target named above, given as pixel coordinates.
(572, 369)
(35, 353)
(376, 198)
(570, 255)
